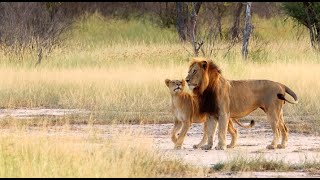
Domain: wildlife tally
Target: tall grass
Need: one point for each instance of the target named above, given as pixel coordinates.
(278, 28)
(63, 154)
(117, 68)
(95, 30)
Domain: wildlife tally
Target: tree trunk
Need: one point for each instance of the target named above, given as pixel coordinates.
(235, 30)
(167, 13)
(160, 9)
(180, 21)
(247, 31)
(194, 13)
(219, 18)
(313, 24)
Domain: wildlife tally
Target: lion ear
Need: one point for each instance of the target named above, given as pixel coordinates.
(167, 81)
(183, 82)
(204, 64)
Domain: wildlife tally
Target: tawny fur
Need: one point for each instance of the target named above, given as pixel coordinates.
(224, 99)
(185, 108)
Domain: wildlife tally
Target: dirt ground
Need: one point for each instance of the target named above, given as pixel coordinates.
(251, 144)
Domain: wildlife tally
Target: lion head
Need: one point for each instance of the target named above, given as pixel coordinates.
(202, 79)
(201, 73)
(175, 86)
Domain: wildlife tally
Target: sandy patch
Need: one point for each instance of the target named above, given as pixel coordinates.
(29, 113)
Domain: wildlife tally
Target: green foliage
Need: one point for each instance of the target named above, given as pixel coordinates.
(297, 11)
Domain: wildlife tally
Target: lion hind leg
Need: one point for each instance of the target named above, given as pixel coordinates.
(234, 134)
(205, 137)
(284, 132)
(274, 121)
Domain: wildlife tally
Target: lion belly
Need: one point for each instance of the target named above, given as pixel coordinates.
(249, 95)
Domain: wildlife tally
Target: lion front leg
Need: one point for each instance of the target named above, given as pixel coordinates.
(182, 135)
(212, 128)
(222, 134)
(176, 127)
(205, 137)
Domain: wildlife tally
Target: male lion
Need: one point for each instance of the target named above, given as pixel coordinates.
(224, 99)
(185, 107)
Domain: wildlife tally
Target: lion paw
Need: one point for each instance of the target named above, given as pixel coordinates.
(219, 147)
(270, 146)
(230, 146)
(206, 147)
(174, 139)
(177, 147)
(195, 146)
(280, 146)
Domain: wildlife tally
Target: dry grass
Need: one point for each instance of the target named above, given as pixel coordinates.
(120, 78)
(138, 87)
(60, 152)
(262, 164)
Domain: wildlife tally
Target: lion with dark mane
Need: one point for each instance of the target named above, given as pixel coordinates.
(224, 99)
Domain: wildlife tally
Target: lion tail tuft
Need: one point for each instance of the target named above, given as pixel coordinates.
(281, 96)
(252, 123)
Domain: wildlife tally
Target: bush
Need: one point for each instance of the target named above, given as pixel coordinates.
(34, 24)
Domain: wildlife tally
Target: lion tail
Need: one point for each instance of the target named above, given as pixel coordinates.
(252, 123)
(291, 93)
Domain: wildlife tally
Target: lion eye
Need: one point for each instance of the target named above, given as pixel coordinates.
(194, 71)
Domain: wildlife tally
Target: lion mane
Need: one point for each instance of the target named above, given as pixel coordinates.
(208, 98)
